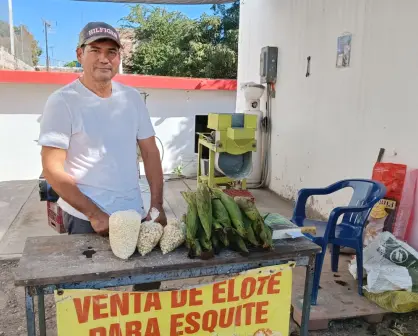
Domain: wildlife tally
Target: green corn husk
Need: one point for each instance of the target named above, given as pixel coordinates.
(233, 211)
(205, 243)
(219, 213)
(216, 244)
(249, 208)
(196, 252)
(251, 238)
(269, 232)
(192, 222)
(220, 233)
(204, 208)
(238, 244)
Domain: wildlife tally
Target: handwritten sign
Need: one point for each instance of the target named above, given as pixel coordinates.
(255, 302)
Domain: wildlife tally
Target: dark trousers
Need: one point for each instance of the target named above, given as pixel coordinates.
(75, 225)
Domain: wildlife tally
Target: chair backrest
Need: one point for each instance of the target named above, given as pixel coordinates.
(365, 193)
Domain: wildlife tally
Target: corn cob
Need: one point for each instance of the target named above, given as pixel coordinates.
(204, 208)
(216, 244)
(221, 233)
(205, 243)
(192, 223)
(237, 243)
(269, 232)
(233, 211)
(252, 213)
(251, 238)
(219, 213)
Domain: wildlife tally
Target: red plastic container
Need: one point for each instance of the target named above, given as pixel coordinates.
(239, 192)
(55, 218)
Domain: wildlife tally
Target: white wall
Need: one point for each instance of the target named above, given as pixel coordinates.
(330, 126)
(172, 113)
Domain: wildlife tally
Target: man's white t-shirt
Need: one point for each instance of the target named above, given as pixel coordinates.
(100, 136)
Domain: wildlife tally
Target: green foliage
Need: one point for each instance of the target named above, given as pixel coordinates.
(71, 64)
(36, 52)
(172, 44)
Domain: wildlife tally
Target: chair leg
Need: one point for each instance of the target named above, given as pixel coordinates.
(359, 258)
(335, 257)
(317, 276)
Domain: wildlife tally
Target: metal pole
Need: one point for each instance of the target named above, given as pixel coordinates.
(307, 297)
(12, 31)
(46, 44)
(21, 43)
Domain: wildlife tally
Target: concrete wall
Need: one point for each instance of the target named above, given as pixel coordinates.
(172, 112)
(330, 125)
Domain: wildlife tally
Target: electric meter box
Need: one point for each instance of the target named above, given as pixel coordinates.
(268, 64)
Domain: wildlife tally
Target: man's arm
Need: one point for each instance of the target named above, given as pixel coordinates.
(63, 184)
(154, 173)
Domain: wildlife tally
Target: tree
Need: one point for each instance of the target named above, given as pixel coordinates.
(171, 44)
(36, 52)
(71, 64)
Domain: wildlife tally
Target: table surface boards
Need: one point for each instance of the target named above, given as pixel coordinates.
(75, 258)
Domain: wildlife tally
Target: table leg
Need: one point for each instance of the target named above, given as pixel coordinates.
(306, 309)
(41, 312)
(30, 312)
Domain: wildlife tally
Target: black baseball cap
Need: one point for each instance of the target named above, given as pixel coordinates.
(94, 31)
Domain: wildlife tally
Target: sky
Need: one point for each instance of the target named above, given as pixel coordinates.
(70, 19)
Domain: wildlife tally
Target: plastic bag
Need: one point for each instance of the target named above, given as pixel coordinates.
(174, 235)
(150, 234)
(390, 265)
(383, 215)
(407, 206)
(396, 301)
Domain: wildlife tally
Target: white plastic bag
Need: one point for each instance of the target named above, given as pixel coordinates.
(150, 234)
(174, 235)
(386, 261)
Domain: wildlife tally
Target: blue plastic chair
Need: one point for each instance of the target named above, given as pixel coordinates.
(349, 233)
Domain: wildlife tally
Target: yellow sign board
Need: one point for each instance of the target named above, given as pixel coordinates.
(253, 303)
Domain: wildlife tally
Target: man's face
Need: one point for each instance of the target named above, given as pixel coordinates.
(100, 60)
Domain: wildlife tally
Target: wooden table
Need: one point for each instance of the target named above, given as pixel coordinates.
(86, 261)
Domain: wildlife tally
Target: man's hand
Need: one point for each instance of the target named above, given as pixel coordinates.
(162, 219)
(100, 223)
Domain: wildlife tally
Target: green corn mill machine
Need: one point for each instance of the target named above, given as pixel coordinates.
(231, 142)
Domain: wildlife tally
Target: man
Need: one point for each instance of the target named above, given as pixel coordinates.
(89, 131)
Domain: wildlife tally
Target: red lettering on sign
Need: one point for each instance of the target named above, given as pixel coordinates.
(248, 288)
(274, 281)
(260, 313)
(118, 305)
(137, 302)
(115, 330)
(249, 312)
(175, 324)
(210, 320)
(152, 302)
(238, 316)
(133, 328)
(262, 281)
(98, 306)
(194, 325)
(194, 293)
(101, 331)
(178, 299)
(153, 329)
(218, 290)
(224, 321)
(231, 289)
(82, 309)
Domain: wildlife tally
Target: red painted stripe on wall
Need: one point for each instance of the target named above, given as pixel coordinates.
(140, 81)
